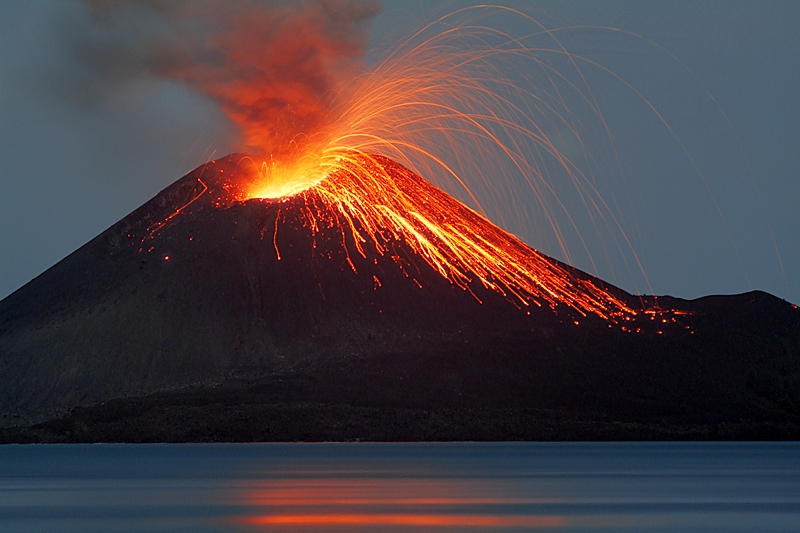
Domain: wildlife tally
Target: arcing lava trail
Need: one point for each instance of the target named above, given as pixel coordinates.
(375, 202)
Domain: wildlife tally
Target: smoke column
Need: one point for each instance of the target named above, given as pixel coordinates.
(271, 66)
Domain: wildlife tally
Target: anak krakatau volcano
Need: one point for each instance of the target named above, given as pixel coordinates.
(340, 313)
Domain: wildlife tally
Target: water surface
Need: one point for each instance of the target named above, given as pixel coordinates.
(401, 487)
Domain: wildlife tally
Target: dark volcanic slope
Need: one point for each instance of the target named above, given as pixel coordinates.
(183, 309)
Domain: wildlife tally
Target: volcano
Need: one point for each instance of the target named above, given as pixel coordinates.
(334, 314)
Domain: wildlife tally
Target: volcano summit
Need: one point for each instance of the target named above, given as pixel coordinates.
(370, 306)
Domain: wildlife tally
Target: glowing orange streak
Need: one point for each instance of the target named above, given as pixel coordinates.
(473, 119)
(154, 227)
(372, 196)
(464, 520)
(363, 148)
(595, 106)
(275, 235)
(544, 142)
(320, 501)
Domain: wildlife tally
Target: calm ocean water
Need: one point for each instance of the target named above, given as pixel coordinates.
(400, 487)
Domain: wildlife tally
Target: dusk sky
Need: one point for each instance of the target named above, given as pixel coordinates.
(716, 201)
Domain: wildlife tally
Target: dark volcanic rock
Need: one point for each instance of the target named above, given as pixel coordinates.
(180, 322)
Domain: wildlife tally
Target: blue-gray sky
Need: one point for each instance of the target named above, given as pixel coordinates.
(77, 158)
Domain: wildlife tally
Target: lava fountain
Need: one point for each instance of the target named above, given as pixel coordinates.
(441, 105)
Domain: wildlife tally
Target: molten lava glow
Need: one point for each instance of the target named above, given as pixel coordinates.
(378, 202)
(277, 181)
(443, 106)
(387, 502)
(409, 519)
(341, 503)
(442, 109)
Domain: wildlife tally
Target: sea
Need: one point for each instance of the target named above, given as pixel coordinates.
(400, 487)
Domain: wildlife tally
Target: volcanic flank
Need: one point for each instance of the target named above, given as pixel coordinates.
(339, 313)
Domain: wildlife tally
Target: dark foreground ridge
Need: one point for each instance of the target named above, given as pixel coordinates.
(181, 323)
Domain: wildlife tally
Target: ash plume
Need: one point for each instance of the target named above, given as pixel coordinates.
(271, 66)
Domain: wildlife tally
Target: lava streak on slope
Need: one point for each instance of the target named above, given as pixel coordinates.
(375, 201)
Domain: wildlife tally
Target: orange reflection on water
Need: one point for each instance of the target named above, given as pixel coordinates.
(408, 519)
(390, 502)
